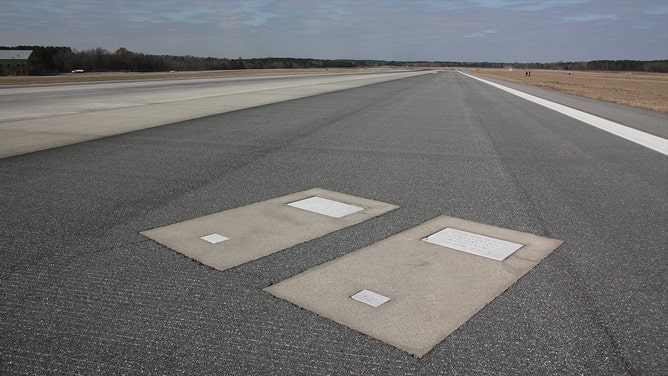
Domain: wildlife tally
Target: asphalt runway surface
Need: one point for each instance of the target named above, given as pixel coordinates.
(38, 117)
(82, 292)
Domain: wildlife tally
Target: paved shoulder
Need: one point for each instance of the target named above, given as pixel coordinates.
(651, 122)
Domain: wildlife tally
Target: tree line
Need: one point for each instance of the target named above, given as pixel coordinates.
(594, 65)
(51, 59)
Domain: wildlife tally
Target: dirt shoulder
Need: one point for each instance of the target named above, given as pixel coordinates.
(636, 89)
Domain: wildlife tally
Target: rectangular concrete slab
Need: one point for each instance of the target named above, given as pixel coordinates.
(232, 237)
(431, 289)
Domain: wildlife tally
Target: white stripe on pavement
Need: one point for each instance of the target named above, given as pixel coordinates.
(645, 139)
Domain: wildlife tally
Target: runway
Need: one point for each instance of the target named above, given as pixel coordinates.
(38, 117)
(83, 291)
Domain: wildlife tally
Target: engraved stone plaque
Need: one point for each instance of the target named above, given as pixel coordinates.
(371, 298)
(214, 238)
(476, 244)
(326, 207)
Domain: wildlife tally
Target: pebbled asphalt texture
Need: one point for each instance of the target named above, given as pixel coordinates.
(81, 292)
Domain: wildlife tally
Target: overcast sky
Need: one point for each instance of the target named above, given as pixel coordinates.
(445, 30)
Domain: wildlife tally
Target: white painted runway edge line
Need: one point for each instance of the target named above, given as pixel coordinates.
(641, 138)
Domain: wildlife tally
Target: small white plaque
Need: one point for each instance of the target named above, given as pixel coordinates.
(326, 207)
(371, 298)
(476, 244)
(214, 238)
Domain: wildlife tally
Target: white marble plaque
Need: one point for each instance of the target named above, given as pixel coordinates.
(476, 244)
(371, 298)
(326, 207)
(214, 238)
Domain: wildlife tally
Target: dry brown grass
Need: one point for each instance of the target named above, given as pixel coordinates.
(641, 90)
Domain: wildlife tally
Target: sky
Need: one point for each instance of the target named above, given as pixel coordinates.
(420, 30)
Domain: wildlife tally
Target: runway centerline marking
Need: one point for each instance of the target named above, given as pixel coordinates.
(641, 138)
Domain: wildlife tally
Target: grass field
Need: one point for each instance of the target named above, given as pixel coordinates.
(641, 90)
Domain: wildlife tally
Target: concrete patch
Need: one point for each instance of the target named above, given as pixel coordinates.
(263, 228)
(433, 289)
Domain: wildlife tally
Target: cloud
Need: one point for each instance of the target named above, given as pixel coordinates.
(493, 30)
(590, 17)
(657, 10)
(482, 33)
(527, 5)
(335, 9)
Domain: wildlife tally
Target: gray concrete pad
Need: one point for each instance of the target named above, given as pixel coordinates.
(233, 237)
(432, 289)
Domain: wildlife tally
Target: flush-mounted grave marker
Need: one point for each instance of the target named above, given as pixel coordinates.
(266, 227)
(371, 298)
(434, 289)
(214, 238)
(326, 207)
(476, 244)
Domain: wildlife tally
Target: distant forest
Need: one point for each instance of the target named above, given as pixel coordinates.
(51, 60)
